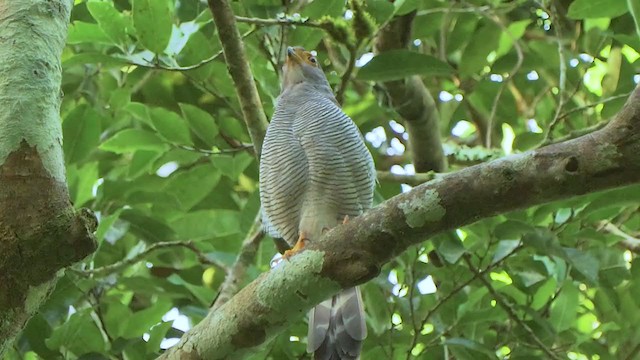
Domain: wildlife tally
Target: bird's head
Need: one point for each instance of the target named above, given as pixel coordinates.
(302, 66)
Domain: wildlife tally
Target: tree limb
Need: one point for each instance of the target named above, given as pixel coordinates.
(605, 159)
(236, 275)
(413, 102)
(240, 71)
(40, 231)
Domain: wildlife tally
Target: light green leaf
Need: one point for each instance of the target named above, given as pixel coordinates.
(201, 123)
(564, 308)
(81, 131)
(171, 126)
(130, 140)
(482, 43)
(515, 30)
(83, 32)
(232, 166)
(110, 21)
(582, 9)
(386, 66)
(153, 23)
(207, 224)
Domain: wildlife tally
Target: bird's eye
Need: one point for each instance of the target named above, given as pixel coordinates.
(312, 59)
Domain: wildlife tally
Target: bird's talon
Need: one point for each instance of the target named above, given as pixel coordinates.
(295, 249)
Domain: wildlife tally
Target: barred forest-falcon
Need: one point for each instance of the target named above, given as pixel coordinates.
(315, 172)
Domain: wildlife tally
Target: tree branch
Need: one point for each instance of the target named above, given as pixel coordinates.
(413, 180)
(413, 102)
(119, 265)
(236, 275)
(240, 71)
(605, 159)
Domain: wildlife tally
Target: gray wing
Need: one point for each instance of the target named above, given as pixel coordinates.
(283, 177)
(341, 173)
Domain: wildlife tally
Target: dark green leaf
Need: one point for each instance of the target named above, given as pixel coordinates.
(81, 131)
(385, 66)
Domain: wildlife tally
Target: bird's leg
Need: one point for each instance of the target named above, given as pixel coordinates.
(345, 220)
(296, 248)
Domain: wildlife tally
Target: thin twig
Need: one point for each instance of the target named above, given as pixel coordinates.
(236, 275)
(281, 22)
(629, 242)
(118, 266)
(347, 75)
(508, 308)
(242, 147)
(593, 104)
(240, 71)
(562, 80)
(413, 180)
(466, 283)
(510, 75)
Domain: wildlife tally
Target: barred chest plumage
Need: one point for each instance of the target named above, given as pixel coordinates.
(312, 154)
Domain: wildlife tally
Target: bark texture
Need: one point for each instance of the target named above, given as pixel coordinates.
(412, 101)
(240, 72)
(40, 232)
(601, 160)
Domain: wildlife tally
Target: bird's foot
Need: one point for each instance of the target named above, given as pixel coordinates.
(296, 248)
(345, 220)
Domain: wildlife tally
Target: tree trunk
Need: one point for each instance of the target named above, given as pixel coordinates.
(40, 232)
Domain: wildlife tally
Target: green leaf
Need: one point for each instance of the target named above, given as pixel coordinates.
(171, 126)
(515, 30)
(93, 58)
(450, 246)
(78, 334)
(202, 124)
(81, 181)
(110, 21)
(81, 133)
(141, 321)
(585, 263)
(476, 347)
(153, 23)
(193, 185)
(398, 64)
(564, 308)
(232, 166)
(203, 294)
(482, 43)
(147, 227)
(583, 9)
(130, 140)
(156, 335)
(207, 224)
(83, 32)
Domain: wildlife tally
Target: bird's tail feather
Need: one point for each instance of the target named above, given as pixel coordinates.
(337, 327)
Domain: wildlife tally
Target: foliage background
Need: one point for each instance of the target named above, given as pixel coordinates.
(155, 143)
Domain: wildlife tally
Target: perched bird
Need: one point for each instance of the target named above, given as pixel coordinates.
(315, 172)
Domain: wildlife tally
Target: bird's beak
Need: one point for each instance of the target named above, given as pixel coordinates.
(293, 57)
